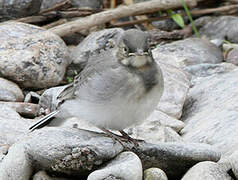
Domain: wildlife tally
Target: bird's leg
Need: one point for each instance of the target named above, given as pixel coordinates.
(113, 136)
(126, 136)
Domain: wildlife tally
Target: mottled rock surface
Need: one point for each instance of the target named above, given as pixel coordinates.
(126, 165)
(207, 171)
(220, 27)
(18, 8)
(9, 91)
(31, 56)
(188, 52)
(210, 112)
(154, 174)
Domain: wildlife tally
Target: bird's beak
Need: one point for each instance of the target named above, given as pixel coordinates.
(140, 52)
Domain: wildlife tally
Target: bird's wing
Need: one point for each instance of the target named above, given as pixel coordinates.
(101, 79)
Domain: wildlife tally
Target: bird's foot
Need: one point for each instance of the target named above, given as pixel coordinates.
(113, 136)
(130, 139)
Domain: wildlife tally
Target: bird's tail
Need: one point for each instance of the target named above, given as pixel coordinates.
(43, 121)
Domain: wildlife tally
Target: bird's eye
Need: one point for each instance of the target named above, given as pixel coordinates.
(125, 50)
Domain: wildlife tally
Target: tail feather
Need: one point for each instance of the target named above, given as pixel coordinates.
(43, 121)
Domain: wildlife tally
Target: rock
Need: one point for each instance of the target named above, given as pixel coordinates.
(21, 168)
(29, 110)
(220, 27)
(159, 127)
(31, 56)
(176, 86)
(204, 70)
(17, 9)
(126, 165)
(9, 91)
(154, 174)
(32, 97)
(206, 171)
(210, 112)
(76, 152)
(188, 52)
(232, 56)
(12, 126)
(92, 44)
(233, 160)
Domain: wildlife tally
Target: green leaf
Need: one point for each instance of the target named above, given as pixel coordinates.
(176, 17)
(70, 79)
(190, 18)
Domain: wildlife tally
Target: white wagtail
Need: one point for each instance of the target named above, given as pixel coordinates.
(118, 87)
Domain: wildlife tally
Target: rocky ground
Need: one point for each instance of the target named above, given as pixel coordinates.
(191, 134)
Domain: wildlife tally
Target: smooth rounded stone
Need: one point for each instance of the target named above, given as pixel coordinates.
(92, 44)
(16, 164)
(159, 127)
(233, 160)
(18, 8)
(156, 134)
(159, 118)
(77, 152)
(126, 165)
(210, 112)
(219, 27)
(69, 150)
(176, 86)
(32, 97)
(12, 125)
(232, 56)
(154, 174)
(165, 25)
(204, 70)
(9, 91)
(188, 52)
(31, 56)
(207, 170)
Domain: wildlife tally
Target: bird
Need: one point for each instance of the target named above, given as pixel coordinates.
(119, 87)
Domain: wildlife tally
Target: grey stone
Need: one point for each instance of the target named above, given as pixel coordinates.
(188, 52)
(126, 165)
(18, 8)
(207, 171)
(149, 132)
(76, 152)
(32, 97)
(210, 112)
(199, 71)
(176, 86)
(31, 56)
(9, 91)
(154, 174)
(12, 126)
(220, 27)
(16, 165)
(233, 160)
(232, 56)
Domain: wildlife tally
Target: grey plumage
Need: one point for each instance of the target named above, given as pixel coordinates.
(118, 87)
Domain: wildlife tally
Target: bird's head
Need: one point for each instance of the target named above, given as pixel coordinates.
(133, 49)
